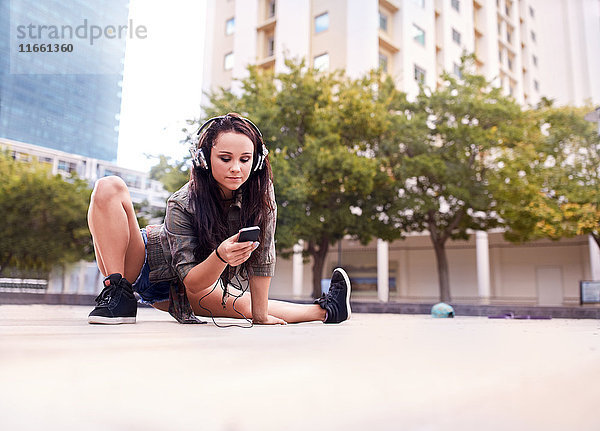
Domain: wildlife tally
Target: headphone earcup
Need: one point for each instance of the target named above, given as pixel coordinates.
(198, 159)
(260, 161)
(202, 160)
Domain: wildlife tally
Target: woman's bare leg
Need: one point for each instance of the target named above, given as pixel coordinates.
(288, 311)
(118, 243)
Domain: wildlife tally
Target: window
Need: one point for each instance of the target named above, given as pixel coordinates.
(499, 28)
(455, 5)
(229, 26)
(531, 12)
(532, 35)
(228, 63)
(510, 64)
(508, 36)
(383, 21)
(383, 62)
(418, 34)
(500, 56)
(271, 46)
(456, 36)
(66, 166)
(419, 74)
(322, 22)
(457, 71)
(271, 9)
(321, 62)
(536, 85)
(534, 59)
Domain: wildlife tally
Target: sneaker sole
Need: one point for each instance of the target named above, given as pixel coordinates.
(110, 320)
(341, 271)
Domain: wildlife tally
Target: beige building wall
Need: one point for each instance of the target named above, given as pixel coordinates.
(333, 40)
(569, 50)
(542, 272)
(219, 44)
(267, 31)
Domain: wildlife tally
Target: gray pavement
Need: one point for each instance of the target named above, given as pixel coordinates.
(376, 371)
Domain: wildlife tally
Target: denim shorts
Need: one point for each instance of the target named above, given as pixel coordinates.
(150, 293)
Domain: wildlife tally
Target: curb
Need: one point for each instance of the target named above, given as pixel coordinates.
(572, 312)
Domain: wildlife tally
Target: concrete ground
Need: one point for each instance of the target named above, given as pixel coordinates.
(374, 372)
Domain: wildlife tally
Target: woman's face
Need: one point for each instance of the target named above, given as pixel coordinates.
(231, 161)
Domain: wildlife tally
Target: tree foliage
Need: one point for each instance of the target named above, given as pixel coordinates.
(317, 127)
(558, 177)
(355, 157)
(43, 217)
(171, 175)
(442, 151)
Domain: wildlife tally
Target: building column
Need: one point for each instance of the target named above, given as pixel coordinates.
(483, 266)
(383, 273)
(594, 258)
(402, 274)
(82, 266)
(297, 269)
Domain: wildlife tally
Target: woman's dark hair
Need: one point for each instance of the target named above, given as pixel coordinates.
(207, 198)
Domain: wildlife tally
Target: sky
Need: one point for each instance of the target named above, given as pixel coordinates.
(162, 80)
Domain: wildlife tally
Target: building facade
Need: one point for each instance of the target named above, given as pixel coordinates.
(414, 41)
(84, 277)
(569, 50)
(486, 269)
(143, 190)
(68, 101)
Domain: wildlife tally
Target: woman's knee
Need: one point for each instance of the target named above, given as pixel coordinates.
(109, 188)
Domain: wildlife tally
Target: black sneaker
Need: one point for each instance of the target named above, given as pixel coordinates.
(116, 303)
(337, 301)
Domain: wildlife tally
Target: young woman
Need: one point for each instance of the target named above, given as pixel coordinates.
(197, 248)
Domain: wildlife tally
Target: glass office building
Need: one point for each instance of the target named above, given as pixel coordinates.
(61, 70)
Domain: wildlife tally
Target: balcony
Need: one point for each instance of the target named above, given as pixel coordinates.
(390, 5)
(387, 43)
(266, 63)
(267, 25)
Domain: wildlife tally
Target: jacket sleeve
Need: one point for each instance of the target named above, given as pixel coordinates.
(181, 237)
(266, 261)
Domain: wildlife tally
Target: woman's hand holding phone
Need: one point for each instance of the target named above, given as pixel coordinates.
(234, 251)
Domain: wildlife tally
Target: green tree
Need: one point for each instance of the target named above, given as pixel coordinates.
(43, 217)
(172, 175)
(318, 128)
(441, 150)
(559, 177)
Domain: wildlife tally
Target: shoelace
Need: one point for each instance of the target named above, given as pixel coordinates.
(106, 295)
(324, 298)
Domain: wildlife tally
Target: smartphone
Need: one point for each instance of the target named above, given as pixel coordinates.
(249, 234)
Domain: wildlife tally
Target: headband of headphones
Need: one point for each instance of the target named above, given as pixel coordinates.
(199, 158)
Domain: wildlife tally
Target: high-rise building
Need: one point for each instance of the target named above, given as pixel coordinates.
(65, 98)
(569, 50)
(412, 40)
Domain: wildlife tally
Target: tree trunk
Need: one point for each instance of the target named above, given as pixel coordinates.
(442, 269)
(4, 263)
(318, 256)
